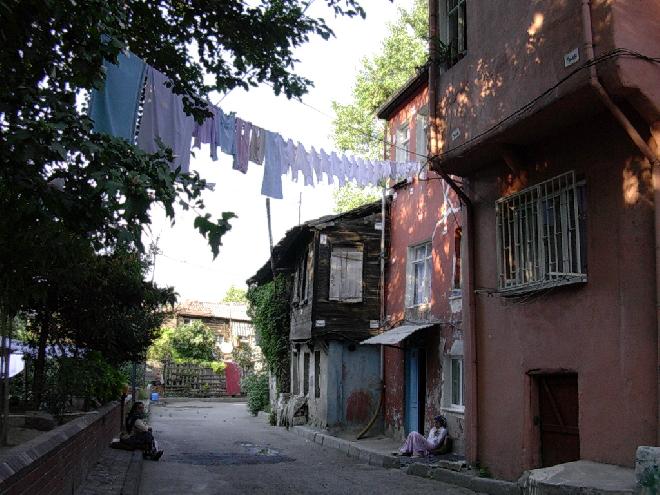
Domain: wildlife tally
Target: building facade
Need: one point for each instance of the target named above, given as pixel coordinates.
(548, 111)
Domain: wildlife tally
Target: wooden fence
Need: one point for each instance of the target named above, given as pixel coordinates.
(192, 380)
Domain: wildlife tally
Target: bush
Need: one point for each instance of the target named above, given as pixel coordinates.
(90, 378)
(256, 387)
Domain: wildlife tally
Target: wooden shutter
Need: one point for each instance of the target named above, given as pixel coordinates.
(335, 275)
(352, 286)
(310, 278)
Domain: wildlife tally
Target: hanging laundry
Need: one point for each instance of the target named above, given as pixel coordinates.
(163, 118)
(288, 158)
(271, 184)
(337, 169)
(206, 132)
(315, 162)
(242, 145)
(226, 130)
(114, 107)
(326, 165)
(302, 164)
(257, 145)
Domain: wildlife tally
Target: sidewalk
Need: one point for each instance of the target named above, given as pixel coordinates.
(116, 472)
(378, 451)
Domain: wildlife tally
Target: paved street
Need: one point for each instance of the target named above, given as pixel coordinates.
(219, 448)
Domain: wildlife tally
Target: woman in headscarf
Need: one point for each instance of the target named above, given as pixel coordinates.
(417, 445)
(139, 433)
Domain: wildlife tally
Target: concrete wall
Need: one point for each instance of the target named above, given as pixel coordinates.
(605, 330)
(349, 384)
(57, 462)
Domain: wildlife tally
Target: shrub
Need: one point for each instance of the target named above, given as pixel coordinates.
(256, 387)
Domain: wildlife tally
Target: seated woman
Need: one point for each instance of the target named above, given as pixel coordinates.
(139, 435)
(417, 445)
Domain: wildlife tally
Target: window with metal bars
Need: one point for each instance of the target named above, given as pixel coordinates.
(540, 236)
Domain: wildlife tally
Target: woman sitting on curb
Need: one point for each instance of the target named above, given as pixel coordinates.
(139, 435)
(416, 445)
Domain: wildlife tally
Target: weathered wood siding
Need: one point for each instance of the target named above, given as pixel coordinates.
(348, 319)
(301, 311)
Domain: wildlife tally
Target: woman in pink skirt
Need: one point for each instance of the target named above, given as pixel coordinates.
(417, 445)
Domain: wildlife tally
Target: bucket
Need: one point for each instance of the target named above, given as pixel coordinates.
(154, 396)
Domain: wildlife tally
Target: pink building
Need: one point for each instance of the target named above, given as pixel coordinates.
(547, 110)
(423, 366)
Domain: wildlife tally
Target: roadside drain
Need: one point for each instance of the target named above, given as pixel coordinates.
(253, 454)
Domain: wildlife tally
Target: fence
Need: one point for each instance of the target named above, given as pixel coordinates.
(192, 380)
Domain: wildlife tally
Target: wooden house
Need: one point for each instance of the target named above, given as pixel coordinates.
(335, 265)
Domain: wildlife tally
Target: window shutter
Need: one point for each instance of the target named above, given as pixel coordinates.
(352, 289)
(335, 275)
(310, 278)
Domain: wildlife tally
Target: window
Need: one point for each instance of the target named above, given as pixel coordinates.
(295, 376)
(457, 382)
(303, 278)
(540, 236)
(402, 143)
(456, 30)
(456, 279)
(421, 136)
(306, 373)
(317, 374)
(346, 274)
(419, 267)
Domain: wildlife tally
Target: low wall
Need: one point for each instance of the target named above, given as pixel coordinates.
(57, 462)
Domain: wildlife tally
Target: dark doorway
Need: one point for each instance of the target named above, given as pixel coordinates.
(558, 418)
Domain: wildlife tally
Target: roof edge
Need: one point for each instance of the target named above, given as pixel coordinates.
(387, 109)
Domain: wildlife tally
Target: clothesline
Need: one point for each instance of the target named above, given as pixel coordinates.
(114, 109)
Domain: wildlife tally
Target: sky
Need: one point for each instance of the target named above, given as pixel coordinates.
(186, 262)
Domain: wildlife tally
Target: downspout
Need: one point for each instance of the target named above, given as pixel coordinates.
(469, 306)
(644, 148)
(383, 223)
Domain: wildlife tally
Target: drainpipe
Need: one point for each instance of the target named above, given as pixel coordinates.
(644, 148)
(469, 306)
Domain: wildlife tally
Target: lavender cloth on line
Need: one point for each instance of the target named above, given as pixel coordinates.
(242, 147)
(163, 118)
(257, 145)
(315, 161)
(271, 184)
(114, 107)
(206, 132)
(326, 165)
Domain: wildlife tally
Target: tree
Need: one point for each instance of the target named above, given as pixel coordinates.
(244, 357)
(404, 50)
(235, 295)
(351, 196)
(194, 341)
(56, 175)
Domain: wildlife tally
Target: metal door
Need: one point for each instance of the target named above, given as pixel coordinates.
(412, 390)
(558, 414)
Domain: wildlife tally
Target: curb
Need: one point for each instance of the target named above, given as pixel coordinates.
(351, 449)
(465, 480)
(131, 485)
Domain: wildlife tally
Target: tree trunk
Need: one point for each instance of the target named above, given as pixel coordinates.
(40, 363)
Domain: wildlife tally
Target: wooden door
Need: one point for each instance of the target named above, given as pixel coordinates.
(412, 390)
(558, 415)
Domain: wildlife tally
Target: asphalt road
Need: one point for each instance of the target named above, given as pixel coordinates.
(219, 448)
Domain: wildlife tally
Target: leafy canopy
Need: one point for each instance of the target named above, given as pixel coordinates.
(194, 341)
(60, 183)
(403, 51)
(235, 295)
(351, 196)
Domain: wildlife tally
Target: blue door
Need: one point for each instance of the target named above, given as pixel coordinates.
(412, 390)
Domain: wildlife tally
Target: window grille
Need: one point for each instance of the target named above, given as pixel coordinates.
(539, 241)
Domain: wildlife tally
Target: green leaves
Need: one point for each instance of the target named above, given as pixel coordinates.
(213, 232)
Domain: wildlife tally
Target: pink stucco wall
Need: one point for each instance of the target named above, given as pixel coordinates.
(604, 330)
(423, 210)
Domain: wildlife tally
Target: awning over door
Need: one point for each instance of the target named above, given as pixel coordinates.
(396, 335)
